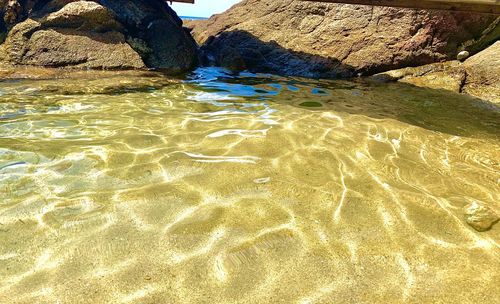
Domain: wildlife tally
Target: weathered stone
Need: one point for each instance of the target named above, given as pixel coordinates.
(140, 46)
(480, 217)
(483, 74)
(36, 43)
(331, 40)
(478, 76)
(83, 15)
(105, 34)
(30, 43)
(14, 11)
(170, 48)
(166, 45)
(68, 47)
(16, 44)
(448, 75)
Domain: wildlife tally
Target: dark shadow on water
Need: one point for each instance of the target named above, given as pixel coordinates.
(436, 110)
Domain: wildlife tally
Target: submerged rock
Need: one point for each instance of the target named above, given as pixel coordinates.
(315, 39)
(480, 217)
(100, 34)
(478, 76)
(68, 81)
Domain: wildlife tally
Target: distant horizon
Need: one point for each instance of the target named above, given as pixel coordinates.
(192, 17)
(203, 8)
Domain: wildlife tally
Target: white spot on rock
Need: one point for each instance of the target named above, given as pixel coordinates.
(463, 55)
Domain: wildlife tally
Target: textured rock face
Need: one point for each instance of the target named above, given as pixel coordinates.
(156, 33)
(329, 40)
(483, 74)
(99, 34)
(83, 15)
(82, 34)
(478, 76)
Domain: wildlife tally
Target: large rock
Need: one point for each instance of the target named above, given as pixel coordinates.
(483, 74)
(156, 33)
(478, 76)
(99, 34)
(65, 47)
(328, 40)
(83, 15)
(82, 34)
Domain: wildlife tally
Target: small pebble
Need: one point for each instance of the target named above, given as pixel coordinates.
(463, 55)
(480, 217)
(263, 180)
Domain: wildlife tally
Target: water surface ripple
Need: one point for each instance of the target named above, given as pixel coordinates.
(244, 189)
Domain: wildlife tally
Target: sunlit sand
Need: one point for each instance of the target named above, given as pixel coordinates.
(230, 190)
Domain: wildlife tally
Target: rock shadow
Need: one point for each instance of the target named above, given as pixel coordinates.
(240, 50)
(437, 110)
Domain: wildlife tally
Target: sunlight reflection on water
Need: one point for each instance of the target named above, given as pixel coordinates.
(223, 188)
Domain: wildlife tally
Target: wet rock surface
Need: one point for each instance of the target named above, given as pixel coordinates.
(478, 76)
(480, 217)
(69, 81)
(96, 34)
(334, 40)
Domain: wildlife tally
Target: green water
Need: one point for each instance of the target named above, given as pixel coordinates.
(136, 188)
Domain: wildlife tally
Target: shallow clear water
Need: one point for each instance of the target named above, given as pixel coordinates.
(250, 189)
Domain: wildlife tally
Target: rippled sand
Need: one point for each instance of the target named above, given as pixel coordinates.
(252, 189)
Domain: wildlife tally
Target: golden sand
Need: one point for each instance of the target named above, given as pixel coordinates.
(244, 190)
